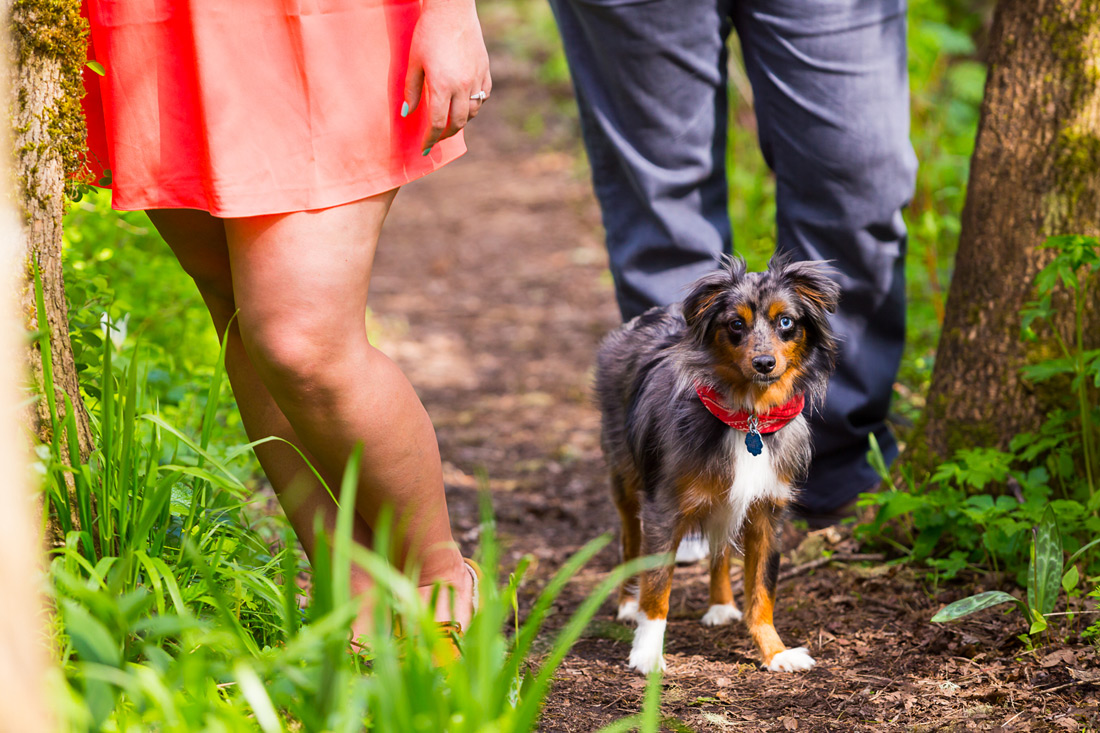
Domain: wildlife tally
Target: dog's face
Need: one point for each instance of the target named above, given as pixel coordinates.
(767, 334)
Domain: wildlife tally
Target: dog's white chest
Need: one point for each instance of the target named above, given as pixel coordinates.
(754, 478)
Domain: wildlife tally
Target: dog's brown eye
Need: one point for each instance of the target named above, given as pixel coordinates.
(737, 324)
(786, 323)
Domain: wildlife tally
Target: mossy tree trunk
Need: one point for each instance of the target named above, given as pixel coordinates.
(1035, 173)
(23, 663)
(48, 40)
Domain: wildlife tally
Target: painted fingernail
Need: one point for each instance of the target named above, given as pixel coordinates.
(427, 150)
(404, 109)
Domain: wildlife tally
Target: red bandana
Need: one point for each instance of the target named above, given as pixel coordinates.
(767, 422)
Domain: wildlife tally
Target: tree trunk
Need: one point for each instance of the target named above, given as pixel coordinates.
(23, 663)
(1035, 173)
(48, 45)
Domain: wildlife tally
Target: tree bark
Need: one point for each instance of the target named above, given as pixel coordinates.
(1035, 173)
(23, 663)
(48, 42)
(48, 39)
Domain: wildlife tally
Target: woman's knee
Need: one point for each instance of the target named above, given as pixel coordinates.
(297, 351)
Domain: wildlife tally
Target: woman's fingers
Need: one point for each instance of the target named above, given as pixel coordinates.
(439, 112)
(414, 85)
(480, 94)
(460, 114)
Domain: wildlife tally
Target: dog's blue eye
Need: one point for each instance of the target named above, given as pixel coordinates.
(785, 323)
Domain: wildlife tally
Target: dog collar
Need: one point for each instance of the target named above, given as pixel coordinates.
(751, 423)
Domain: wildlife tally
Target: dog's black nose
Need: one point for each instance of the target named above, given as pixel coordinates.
(763, 364)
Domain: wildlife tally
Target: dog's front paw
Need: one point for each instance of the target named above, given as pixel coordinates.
(721, 614)
(628, 610)
(647, 653)
(792, 660)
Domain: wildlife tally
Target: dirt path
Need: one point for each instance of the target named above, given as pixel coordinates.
(492, 293)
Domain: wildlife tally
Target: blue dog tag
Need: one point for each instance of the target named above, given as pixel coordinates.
(753, 442)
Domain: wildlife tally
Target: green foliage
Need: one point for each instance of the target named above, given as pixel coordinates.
(174, 614)
(1047, 575)
(1074, 268)
(117, 267)
(961, 515)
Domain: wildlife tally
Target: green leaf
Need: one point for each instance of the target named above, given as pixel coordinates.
(972, 604)
(1070, 579)
(1045, 569)
(1048, 369)
(96, 67)
(1074, 557)
(91, 639)
(1038, 623)
(877, 461)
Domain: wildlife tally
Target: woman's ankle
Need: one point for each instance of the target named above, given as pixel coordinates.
(454, 598)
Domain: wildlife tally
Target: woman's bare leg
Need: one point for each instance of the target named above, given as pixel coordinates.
(300, 282)
(199, 242)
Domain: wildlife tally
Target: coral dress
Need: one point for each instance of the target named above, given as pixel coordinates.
(249, 107)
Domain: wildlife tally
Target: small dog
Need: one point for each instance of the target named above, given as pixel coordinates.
(702, 429)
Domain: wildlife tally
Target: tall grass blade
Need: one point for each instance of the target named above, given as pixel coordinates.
(252, 688)
(220, 602)
(291, 616)
(81, 486)
(528, 709)
(126, 463)
(213, 395)
(651, 708)
(231, 479)
(45, 346)
(107, 409)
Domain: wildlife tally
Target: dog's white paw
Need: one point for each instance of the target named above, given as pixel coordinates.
(692, 549)
(792, 660)
(721, 614)
(628, 610)
(649, 640)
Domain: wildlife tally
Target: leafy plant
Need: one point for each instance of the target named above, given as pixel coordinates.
(1075, 264)
(1046, 576)
(950, 519)
(173, 614)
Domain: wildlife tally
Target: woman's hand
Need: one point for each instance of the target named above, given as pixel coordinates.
(447, 62)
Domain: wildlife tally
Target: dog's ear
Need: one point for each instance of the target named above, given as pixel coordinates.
(813, 283)
(705, 300)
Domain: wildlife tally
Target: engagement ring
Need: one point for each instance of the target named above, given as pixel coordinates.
(480, 96)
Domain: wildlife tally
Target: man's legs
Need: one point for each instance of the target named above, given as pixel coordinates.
(832, 104)
(650, 81)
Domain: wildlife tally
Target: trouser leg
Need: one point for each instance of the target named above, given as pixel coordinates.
(650, 81)
(831, 97)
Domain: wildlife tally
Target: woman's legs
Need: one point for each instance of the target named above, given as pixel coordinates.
(198, 241)
(299, 350)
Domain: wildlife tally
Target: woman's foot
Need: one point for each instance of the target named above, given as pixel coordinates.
(456, 585)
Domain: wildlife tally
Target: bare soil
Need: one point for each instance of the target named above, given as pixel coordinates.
(491, 291)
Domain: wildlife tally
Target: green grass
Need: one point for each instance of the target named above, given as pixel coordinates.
(173, 613)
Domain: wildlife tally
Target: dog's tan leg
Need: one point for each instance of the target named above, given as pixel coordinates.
(761, 573)
(626, 501)
(722, 608)
(647, 654)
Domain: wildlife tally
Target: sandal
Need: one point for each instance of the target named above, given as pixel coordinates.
(447, 648)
